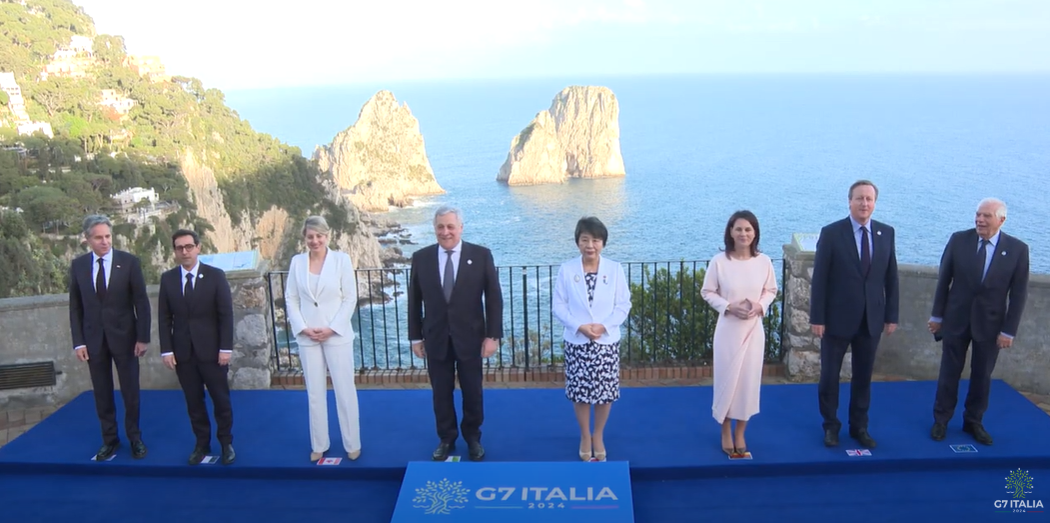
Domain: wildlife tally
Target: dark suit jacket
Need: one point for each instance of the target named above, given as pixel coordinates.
(124, 316)
(205, 320)
(841, 293)
(987, 308)
(466, 318)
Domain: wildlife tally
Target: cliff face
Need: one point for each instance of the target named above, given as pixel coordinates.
(380, 161)
(276, 235)
(578, 137)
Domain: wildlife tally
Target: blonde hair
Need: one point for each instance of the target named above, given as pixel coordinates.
(316, 224)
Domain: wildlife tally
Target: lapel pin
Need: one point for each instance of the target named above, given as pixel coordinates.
(1003, 253)
(117, 266)
(878, 233)
(199, 276)
(470, 262)
(576, 278)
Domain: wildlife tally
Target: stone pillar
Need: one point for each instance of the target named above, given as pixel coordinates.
(252, 328)
(801, 347)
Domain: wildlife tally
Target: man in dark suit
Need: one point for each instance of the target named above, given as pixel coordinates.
(109, 320)
(854, 300)
(455, 318)
(981, 291)
(196, 341)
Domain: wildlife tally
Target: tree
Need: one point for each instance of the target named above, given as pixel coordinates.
(671, 322)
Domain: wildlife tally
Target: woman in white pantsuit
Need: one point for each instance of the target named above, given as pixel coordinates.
(321, 295)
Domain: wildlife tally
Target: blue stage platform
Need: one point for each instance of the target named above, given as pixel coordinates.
(666, 435)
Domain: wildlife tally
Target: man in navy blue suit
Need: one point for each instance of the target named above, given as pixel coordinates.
(854, 299)
(109, 322)
(981, 290)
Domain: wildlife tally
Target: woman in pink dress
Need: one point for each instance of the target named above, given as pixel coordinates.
(740, 285)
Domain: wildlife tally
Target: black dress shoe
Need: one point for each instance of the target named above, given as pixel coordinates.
(228, 455)
(198, 454)
(476, 451)
(938, 431)
(443, 450)
(138, 449)
(977, 431)
(863, 438)
(831, 438)
(106, 451)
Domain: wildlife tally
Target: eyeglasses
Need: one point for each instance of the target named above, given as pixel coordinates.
(185, 248)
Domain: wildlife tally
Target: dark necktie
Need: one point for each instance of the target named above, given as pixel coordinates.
(450, 279)
(865, 251)
(982, 256)
(100, 281)
(187, 290)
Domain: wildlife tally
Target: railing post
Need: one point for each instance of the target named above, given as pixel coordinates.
(525, 314)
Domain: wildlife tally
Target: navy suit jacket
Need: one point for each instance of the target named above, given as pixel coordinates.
(201, 325)
(986, 308)
(474, 312)
(124, 316)
(841, 295)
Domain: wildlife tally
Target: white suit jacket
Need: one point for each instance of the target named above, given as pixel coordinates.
(612, 300)
(332, 306)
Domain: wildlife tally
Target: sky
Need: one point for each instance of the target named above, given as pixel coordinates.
(245, 44)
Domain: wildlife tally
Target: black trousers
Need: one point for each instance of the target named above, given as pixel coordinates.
(953, 359)
(194, 375)
(832, 352)
(100, 365)
(443, 373)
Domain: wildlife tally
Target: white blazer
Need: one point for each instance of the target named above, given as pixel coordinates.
(612, 300)
(332, 306)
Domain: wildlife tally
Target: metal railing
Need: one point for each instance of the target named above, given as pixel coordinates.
(669, 323)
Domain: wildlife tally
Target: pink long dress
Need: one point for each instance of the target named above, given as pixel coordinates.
(739, 345)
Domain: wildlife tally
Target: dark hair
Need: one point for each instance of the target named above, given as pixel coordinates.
(861, 183)
(594, 227)
(185, 232)
(741, 215)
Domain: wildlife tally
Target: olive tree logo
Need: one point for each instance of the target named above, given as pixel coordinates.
(440, 497)
(1019, 483)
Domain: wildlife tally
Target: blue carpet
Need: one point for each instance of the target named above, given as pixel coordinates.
(665, 433)
(959, 495)
(109, 499)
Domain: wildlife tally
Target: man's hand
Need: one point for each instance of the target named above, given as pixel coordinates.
(890, 328)
(169, 361)
(140, 349)
(488, 347)
(224, 358)
(1003, 342)
(418, 350)
(818, 330)
(82, 354)
(934, 327)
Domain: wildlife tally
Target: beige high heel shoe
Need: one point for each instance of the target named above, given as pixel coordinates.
(316, 456)
(354, 455)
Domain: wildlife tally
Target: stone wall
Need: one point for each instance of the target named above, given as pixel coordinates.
(911, 350)
(36, 329)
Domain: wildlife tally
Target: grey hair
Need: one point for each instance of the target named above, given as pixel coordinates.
(317, 224)
(93, 220)
(1000, 206)
(446, 209)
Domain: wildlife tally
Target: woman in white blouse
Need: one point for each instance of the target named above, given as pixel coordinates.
(321, 295)
(591, 300)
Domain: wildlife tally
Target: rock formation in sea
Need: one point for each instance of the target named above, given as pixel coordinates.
(578, 137)
(380, 161)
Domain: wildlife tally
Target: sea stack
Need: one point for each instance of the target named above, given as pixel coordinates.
(578, 137)
(380, 161)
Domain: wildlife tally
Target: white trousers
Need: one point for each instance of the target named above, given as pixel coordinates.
(339, 361)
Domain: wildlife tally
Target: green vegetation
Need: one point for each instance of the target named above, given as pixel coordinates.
(98, 151)
(671, 322)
